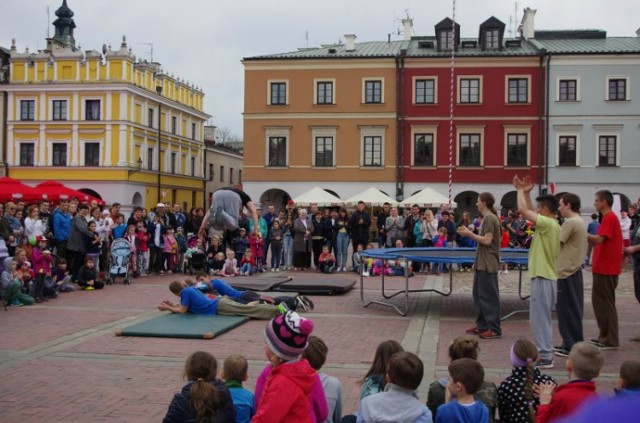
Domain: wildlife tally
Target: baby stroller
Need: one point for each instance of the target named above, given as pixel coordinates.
(119, 261)
(198, 260)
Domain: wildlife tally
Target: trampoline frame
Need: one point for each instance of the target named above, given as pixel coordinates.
(519, 257)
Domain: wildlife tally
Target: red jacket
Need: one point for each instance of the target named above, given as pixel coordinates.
(565, 400)
(287, 394)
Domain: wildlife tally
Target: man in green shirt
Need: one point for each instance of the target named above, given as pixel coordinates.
(544, 250)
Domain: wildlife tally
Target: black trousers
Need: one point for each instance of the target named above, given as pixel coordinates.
(75, 259)
(486, 297)
(569, 309)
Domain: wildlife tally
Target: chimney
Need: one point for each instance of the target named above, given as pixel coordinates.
(408, 28)
(350, 42)
(527, 29)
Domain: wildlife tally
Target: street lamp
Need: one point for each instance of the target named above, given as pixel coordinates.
(159, 91)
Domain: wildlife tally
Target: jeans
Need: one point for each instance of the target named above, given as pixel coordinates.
(276, 254)
(288, 250)
(342, 241)
(247, 268)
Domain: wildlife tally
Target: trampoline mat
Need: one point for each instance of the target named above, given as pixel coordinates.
(256, 283)
(195, 326)
(317, 285)
(445, 255)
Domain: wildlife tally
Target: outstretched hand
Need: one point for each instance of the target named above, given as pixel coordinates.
(544, 391)
(527, 184)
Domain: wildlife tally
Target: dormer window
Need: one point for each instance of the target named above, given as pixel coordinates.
(492, 39)
(445, 35)
(445, 40)
(491, 34)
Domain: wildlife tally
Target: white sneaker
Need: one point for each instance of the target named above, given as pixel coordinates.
(278, 269)
(365, 273)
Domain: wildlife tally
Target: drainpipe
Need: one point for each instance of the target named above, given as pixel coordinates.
(546, 160)
(400, 107)
(541, 106)
(4, 148)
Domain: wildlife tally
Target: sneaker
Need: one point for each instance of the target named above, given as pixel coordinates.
(278, 269)
(282, 308)
(560, 352)
(365, 273)
(544, 364)
(602, 345)
(15, 303)
(489, 334)
(304, 303)
(89, 288)
(473, 331)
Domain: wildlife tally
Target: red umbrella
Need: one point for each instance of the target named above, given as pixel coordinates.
(14, 190)
(55, 191)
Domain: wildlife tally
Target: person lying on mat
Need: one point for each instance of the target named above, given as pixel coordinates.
(217, 287)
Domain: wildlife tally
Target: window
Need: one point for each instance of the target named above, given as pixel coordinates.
(221, 173)
(567, 90)
(567, 150)
(445, 40)
(231, 175)
(617, 89)
(423, 149)
(27, 109)
(92, 109)
(518, 90)
(517, 150)
(425, 91)
(373, 92)
(469, 154)
(277, 151)
(92, 154)
(174, 124)
(149, 158)
(193, 166)
(59, 154)
(59, 109)
(278, 93)
(372, 151)
(470, 90)
(27, 154)
(193, 131)
(211, 171)
(150, 118)
(607, 150)
(172, 165)
(492, 39)
(324, 92)
(323, 151)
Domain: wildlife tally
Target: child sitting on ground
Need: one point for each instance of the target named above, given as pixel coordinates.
(11, 285)
(316, 355)
(398, 402)
(217, 264)
(247, 264)
(629, 381)
(326, 260)
(204, 397)
(368, 262)
(61, 277)
(357, 258)
(230, 267)
(234, 372)
(88, 276)
(379, 267)
(583, 364)
(465, 378)
(376, 378)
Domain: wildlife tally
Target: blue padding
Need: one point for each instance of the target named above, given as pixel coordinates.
(444, 255)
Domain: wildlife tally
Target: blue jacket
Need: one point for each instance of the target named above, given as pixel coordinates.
(61, 225)
(181, 412)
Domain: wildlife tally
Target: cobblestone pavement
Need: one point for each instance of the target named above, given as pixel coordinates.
(60, 361)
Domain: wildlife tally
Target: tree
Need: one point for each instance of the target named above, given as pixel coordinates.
(224, 135)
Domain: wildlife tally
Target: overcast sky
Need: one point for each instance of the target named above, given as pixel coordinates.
(203, 41)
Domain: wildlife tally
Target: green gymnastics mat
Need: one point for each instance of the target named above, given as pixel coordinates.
(194, 326)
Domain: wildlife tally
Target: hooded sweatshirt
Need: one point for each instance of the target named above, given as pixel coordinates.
(395, 404)
(287, 394)
(6, 279)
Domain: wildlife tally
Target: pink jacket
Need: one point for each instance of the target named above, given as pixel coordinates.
(41, 261)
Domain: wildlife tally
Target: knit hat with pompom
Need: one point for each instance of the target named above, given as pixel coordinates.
(286, 335)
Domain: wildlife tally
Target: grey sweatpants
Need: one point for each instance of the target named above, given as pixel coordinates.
(541, 303)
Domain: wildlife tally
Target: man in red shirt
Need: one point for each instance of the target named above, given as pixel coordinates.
(607, 262)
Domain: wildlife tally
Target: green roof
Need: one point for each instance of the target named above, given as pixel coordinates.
(368, 49)
(612, 45)
(469, 47)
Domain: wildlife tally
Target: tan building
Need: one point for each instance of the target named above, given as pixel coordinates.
(320, 117)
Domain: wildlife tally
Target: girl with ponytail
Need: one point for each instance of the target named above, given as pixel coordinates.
(205, 398)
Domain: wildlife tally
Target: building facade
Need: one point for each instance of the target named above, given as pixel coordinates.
(222, 163)
(105, 123)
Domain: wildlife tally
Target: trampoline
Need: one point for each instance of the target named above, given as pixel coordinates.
(518, 257)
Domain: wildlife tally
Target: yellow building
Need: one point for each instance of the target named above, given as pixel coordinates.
(92, 120)
(320, 117)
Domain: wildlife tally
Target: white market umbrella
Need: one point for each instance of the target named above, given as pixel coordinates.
(319, 197)
(427, 198)
(371, 197)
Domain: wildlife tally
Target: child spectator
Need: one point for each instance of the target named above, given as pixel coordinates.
(230, 267)
(368, 262)
(88, 276)
(169, 250)
(11, 285)
(143, 248)
(275, 242)
(234, 372)
(504, 243)
(247, 264)
(214, 248)
(204, 397)
(287, 397)
(326, 260)
(583, 364)
(398, 402)
(181, 239)
(316, 355)
(93, 243)
(135, 247)
(217, 264)
(380, 267)
(119, 229)
(256, 244)
(465, 378)
(376, 378)
(439, 241)
(357, 258)
(516, 400)
(629, 381)
(240, 243)
(61, 277)
(42, 259)
(463, 347)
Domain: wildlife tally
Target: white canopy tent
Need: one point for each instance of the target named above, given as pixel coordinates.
(427, 198)
(319, 197)
(371, 197)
